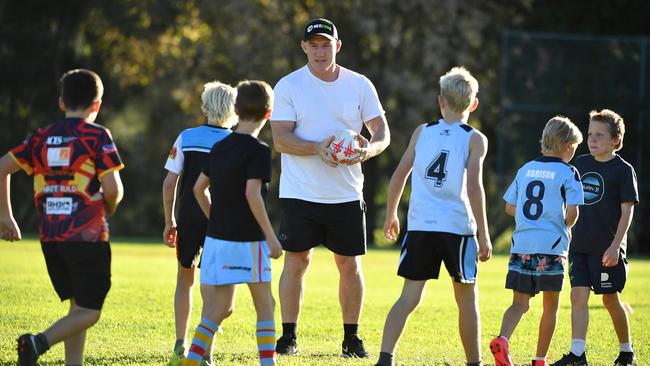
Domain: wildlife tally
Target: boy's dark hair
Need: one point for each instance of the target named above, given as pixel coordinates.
(80, 88)
(254, 99)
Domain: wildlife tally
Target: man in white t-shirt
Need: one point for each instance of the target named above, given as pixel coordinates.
(322, 200)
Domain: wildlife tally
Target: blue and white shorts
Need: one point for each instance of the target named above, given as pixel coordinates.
(226, 262)
(423, 253)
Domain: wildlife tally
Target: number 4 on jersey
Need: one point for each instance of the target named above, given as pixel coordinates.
(437, 169)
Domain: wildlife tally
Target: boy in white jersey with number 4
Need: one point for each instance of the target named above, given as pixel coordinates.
(544, 199)
(446, 208)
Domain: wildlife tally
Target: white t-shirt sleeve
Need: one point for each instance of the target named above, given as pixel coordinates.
(283, 109)
(175, 159)
(370, 105)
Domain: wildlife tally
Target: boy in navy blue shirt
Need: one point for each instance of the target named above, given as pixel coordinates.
(597, 255)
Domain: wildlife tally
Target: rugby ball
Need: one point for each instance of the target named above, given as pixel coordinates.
(342, 149)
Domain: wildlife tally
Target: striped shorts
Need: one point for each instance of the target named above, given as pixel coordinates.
(226, 262)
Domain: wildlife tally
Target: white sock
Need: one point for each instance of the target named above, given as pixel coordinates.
(538, 358)
(506, 339)
(626, 347)
(578, 346)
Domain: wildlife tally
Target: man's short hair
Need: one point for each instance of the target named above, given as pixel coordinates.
(80, 88)
(218, 102)
(614, 121)
(459, 88)
(254, 100)
(558, 131)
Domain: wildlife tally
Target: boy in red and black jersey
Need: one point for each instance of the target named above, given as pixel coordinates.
(76, 166)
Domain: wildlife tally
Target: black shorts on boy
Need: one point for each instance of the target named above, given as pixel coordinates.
(341, 227)
(190, 242)
(424, 251)
(79, 271)
(587, 270)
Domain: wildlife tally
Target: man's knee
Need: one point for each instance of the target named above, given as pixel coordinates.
(348, 266)
(297, 263)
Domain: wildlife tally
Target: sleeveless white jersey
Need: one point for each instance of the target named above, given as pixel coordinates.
(439, 200)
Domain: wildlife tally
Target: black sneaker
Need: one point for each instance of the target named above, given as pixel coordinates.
(625, 359)
(286, 345)
(353, 347)
(572, 360)
(27, 352)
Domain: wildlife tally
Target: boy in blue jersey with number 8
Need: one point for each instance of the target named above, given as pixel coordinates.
(544, 199)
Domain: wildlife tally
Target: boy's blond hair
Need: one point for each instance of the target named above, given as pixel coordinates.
(459, 88)
(614, 121)
(218, 103)
(558, 131)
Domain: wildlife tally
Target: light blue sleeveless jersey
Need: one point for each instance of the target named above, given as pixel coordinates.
(439, 200)
(541, 191)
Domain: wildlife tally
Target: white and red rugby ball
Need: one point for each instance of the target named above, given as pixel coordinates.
(342, 149)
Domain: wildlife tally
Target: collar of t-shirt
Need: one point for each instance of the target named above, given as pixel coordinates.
(549, 159)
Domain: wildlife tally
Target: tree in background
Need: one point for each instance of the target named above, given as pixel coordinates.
(154, 56)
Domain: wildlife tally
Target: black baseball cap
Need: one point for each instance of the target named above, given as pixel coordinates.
(321, 27)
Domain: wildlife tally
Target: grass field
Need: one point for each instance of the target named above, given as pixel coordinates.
(137, 323)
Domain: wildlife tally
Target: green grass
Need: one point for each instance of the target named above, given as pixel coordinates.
(137, 323)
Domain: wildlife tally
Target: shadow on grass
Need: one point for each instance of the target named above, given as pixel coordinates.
(567, 305)
(90, 360)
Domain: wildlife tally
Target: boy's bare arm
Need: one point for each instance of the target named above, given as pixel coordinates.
(476, 193)
(256, 204)
(572, 214)
(201, 194)
(610, 257)
(169, 202)
(396, 187)
(510, 209)
(8, 227)
(113, 191)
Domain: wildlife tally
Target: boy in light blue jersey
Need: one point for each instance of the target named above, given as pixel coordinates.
(185, 226)
(544, 199)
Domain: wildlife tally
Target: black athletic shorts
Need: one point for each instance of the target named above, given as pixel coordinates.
(79, 270)
(424, 251)
(586, 270)
(189, 244)
(341, 227)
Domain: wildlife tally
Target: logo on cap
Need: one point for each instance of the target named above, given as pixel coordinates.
(321, 26)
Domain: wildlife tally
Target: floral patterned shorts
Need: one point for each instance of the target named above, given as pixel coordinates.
(532, 273)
